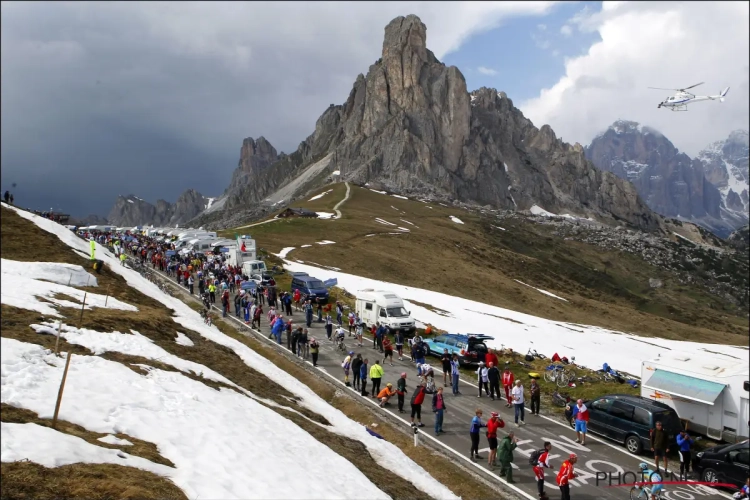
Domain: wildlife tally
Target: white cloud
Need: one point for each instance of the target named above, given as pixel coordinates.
(658, 44)
(566, 30)
(486, 71)
(540, 42)
(541, 27)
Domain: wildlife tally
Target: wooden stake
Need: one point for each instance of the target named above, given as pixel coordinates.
(83, 305)
(60, 392)
(70, 278)
(57, 342)
(107, 297)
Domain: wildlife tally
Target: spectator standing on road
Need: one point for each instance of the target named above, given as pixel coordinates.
(567, 472)
(277, 329)
(356, 365)
(376, 373)
(419, 354)
(346, 365)
(482, 379)
(505, 456)
(191, 285)
(493, 424)
(446, 361)
(388, 350)
(438, 408)
(6, 196)
(508, 380)
(535, 396)
(582, 420)
(541, 463)
(363, 371)
(416, 405)
(660, 446)
(303, 348)
(401, 391)
(314, 347)
(295, 339)
(454, 374)
(476, 424)
(684, 443)
(308, 313)
(257, 314)
(329, 326)
(518, 403)
(399, 339)
(493, 375)
(490, 357)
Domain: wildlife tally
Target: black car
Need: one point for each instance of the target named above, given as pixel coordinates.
(629, 420)
(470, 348)
(727, 463)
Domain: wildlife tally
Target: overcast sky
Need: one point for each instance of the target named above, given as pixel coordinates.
(107, 98)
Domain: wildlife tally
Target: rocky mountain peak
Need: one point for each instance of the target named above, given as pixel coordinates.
(259, 148)
(405, 34)
(131, 210)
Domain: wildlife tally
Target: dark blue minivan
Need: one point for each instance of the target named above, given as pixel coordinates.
(307, 285)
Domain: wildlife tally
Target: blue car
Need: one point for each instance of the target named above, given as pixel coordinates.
(470, 347)
(307, 285)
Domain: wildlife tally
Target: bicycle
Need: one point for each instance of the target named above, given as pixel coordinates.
(524, 364)
(644, 492)
(534, 354)
(558, 375)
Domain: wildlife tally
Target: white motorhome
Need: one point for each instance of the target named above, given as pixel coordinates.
(254, 269)
(709, 393)
(243, 251)
(386, 308)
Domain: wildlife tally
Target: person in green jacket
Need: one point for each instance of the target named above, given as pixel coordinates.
(505, 456)
(376, 373)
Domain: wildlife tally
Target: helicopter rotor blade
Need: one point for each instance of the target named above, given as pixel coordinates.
(687, 88)
(659, 88)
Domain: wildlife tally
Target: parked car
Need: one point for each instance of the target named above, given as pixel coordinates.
(727, 463)
(470, 348)
(307, 285)
(629, 419)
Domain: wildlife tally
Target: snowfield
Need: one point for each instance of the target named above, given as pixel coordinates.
(246, 450)
(592, 346)
(456, 219)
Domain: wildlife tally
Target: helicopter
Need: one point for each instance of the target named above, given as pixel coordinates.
(682, 98)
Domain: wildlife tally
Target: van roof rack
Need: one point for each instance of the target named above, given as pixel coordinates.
(299, 273)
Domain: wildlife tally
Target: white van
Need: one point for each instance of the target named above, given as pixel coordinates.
(254, 269)
(386, 308)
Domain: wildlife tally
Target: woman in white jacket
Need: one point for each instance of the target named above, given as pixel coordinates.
(482, 379)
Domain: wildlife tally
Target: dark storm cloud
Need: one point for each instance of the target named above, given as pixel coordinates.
(101, 99)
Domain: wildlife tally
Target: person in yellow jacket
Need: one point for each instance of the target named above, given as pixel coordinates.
(122, 259)
(376, 373)
(386, 394)
(212, 293)
(93, 249)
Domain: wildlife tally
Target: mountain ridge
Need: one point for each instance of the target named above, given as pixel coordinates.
(131, 210)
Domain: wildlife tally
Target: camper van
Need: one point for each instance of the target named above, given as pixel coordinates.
(241, 252)
(200, 245)
(254, 269)
(710, 394)
(386, 308)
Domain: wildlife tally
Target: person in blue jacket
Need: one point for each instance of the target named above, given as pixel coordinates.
(684, 445)
(278, 327)
(364, 370)
(476, 424)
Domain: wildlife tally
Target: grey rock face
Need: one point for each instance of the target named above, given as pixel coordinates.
(410, 126)
(670, 182)
(133, 211)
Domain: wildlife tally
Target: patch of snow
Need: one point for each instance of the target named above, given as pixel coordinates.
(456, 219)
(305, 246)
(368, 235)
(317, 197)
(131, 201)
(429, 207)
(403, 229)
(383, 221)
(284, 252)
(396, 209)
(505, 165)
(545, 292)
(325, 242)
(56, 272)
(211, 473)
(379, 192)
(399, 196)
(336, 172)
(24, 292)
(110, 439)
(537, 210)
(183, 339)
(209, 202)
(325, 215)
(51, 448)
(500, 228)
(407, 221)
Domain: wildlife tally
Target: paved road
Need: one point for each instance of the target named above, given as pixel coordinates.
(598, 455)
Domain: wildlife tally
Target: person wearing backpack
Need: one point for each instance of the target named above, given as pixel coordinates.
(401, 391)
(416, 405)
(539, 460)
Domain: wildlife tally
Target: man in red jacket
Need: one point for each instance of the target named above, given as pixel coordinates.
(567, 472)
(493, 424)
(508, 380)
(490, 357)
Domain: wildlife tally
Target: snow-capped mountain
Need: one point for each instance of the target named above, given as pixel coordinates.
(726, 166)
(707, 190)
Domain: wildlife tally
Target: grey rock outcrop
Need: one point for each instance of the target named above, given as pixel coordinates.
(133, 211)
(670, 182)
(411, 126)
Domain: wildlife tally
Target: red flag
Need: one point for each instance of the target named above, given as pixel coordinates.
(243, 247)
